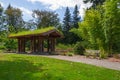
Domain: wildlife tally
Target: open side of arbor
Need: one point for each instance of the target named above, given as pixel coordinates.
(37, 40)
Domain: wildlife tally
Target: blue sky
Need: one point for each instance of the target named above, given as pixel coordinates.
(59, 6)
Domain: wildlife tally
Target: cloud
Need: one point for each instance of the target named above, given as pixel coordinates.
(83, 8)
(1, 4)
(25, 11)
(55, 4)
(27, 14)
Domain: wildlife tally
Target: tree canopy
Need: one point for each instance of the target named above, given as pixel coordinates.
(14, 19)
(45, 18)
(101, 27)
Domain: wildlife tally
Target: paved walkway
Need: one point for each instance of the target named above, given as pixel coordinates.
(82, 59)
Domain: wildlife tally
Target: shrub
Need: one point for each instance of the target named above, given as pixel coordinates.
(103, 56)
(79, 49)
(10, 44)
(70, 54)
(62, 46)
(92, 53)
(2, 47)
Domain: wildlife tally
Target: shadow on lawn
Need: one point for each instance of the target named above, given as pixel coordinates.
(19, 70)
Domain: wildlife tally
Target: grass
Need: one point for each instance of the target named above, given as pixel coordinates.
(27, 67)
(37, 31)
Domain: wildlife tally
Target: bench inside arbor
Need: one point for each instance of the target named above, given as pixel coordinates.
(37, 39)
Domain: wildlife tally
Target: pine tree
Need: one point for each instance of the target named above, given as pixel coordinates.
(67, 20)
(69, 37)
(76, 17)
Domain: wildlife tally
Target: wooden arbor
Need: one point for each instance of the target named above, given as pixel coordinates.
(37, 38)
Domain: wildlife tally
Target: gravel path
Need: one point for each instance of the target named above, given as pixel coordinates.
(82, 59)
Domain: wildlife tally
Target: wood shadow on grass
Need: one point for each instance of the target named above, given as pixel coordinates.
(19, 70)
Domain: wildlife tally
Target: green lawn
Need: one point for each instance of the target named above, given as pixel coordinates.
(27, 67)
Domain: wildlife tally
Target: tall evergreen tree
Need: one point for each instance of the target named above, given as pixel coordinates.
(67, 20)
(69, 38)
(76, 17)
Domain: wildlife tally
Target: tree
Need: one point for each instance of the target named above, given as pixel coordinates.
(95, 3)
(2, 25)
(2, 19)
(67, 20)
(101, 27)
(1, 10)
(112, 25)
(91, 29)
(45, 18)
(14, 23)
(10, 45)
(76, 17)
(14, 19)
(30, 25)
(69, 38)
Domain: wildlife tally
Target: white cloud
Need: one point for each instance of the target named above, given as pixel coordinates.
(25, 11)
(57, 4)
(1, 4)
(82, 9)
(27, 14)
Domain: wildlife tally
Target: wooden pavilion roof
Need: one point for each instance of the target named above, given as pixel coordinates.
(43, 32)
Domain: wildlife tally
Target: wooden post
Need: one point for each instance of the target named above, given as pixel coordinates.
(33, 44)
(37, 44)
(40, 45)
(48, 45)
(53, 45)
(21, 45)
(19, 42)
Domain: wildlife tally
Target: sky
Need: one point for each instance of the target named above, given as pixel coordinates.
(58, 6)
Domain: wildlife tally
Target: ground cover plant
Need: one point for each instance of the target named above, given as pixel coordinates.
(34, 67)
(38, 31)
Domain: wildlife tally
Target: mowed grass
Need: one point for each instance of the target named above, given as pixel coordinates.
(33, 67)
